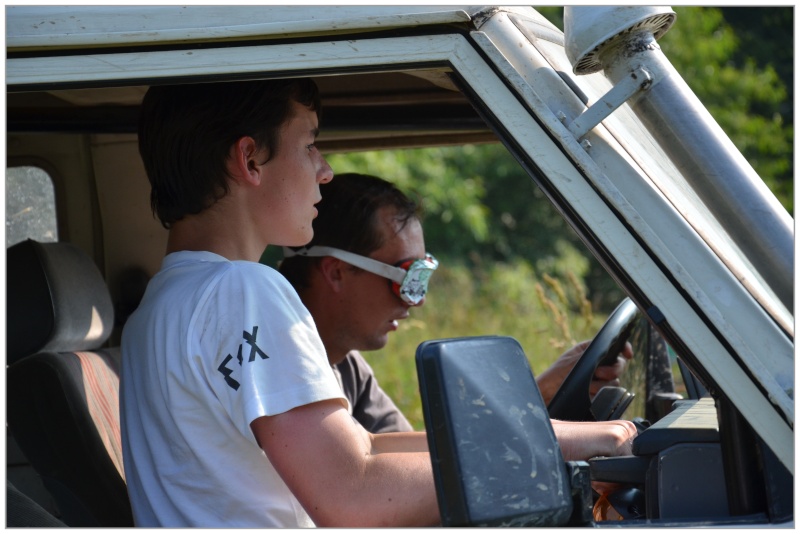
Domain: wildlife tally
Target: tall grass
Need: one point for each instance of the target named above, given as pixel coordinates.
(546, 315)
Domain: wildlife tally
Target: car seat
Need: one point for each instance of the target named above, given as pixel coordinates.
(22, 511)
(62, 387)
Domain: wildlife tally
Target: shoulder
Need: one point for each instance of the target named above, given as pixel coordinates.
(203, 264)
(255, 290)
(355, 365)
(253, 276)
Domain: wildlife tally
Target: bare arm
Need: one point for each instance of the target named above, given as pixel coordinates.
(606, 375)
(400, 442)
(584, 440)
(344, 476)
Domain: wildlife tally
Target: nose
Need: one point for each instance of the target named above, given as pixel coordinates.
(325, 173)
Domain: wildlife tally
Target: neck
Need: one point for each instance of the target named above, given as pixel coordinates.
(328, 332)
(214, 231)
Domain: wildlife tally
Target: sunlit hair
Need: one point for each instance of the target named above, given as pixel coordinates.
(348, 220)
(186, 133)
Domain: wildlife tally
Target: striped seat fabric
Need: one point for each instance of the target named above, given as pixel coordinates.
(63, 381)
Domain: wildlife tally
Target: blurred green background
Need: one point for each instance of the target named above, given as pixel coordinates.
(509, 263)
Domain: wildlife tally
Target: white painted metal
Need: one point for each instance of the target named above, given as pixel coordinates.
(636, 81)
(632, 193)
(106, 25)
(639, 266)
(732, 190)
(769, 354)
(591, 33)
(637, 143)
(257, 61)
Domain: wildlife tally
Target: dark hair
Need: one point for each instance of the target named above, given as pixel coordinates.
(347, 219)
(186, 133)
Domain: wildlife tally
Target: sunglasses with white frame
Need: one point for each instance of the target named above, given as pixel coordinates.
(409, 278)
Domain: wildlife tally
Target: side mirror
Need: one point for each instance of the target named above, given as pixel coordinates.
(496, 461)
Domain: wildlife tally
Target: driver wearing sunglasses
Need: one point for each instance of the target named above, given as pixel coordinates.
(367, 235)
(408, 279)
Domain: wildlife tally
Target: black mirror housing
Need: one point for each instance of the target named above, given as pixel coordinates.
(496, 461)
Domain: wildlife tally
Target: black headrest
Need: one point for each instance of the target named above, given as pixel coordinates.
(57, 300)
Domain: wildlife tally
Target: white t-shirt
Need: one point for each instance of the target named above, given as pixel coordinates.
(214, 345)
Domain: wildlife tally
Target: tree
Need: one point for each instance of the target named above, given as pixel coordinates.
(470, 217)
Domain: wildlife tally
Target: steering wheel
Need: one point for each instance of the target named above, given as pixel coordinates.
(572, 401)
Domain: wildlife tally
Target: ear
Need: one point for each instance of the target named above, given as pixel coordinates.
(332, 272)
(243, 162)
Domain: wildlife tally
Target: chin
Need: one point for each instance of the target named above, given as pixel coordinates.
(299, 240)
(376, 343)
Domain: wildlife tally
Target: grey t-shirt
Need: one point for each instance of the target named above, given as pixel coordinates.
(372, 407)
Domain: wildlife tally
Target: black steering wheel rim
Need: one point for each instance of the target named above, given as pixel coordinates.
(572, 401)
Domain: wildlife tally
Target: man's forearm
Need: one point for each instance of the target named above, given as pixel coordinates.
(584, 440)
(399, 442)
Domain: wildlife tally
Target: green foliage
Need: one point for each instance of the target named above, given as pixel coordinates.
(500, 299)
(768, 35)
(478, 222)
(452, 201)
(510, 264)
(554, 14)
(470, 215)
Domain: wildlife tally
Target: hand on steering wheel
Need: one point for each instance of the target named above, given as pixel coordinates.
(572, 401)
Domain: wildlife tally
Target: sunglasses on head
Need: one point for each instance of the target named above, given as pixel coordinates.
(409, 278)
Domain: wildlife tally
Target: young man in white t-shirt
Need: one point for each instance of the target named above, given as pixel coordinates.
(231, 414)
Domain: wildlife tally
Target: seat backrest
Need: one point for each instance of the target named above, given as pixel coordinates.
(62, 388)
(22, 511)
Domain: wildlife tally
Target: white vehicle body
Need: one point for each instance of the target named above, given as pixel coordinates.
(716, 297)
